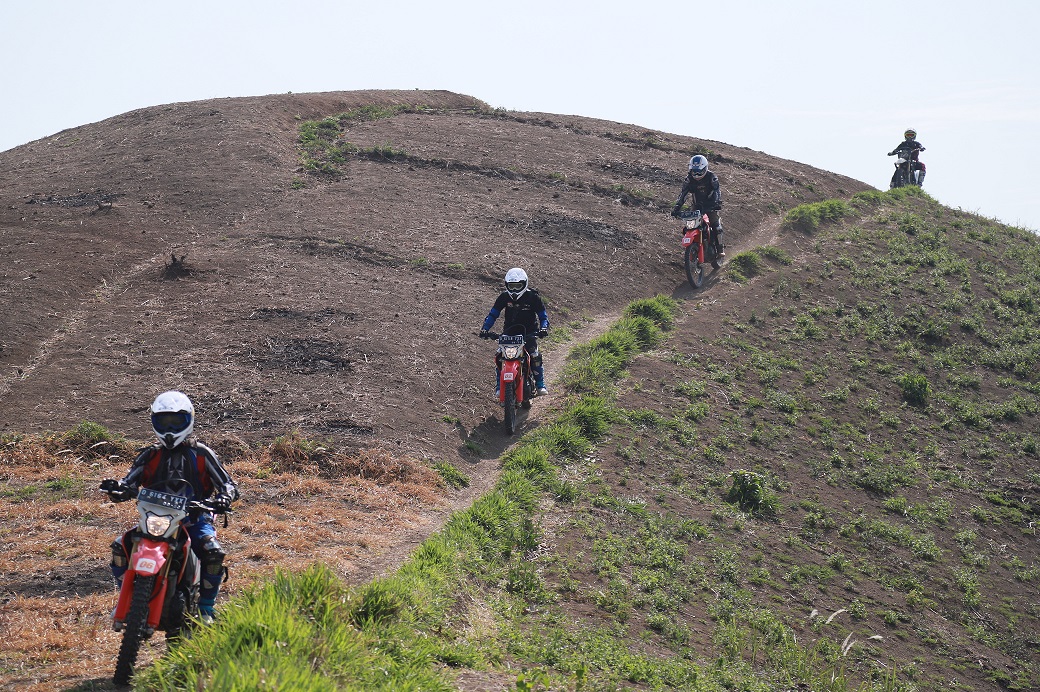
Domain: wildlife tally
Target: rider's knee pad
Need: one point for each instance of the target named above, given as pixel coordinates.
(120, 559)
(211, 558)
(536, 359)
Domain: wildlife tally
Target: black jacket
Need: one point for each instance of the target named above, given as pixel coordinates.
(195, 463)
(909, 146)
(706, 193)
(527, 311)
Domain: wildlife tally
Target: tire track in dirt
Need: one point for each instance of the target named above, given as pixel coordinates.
(72, 324)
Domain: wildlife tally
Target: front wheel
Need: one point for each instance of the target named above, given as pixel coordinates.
(135, 630)
(510, 416)
(694, 269)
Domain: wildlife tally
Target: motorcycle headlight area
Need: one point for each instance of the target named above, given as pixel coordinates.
(512, 351)
(157, 524)
(692, 223)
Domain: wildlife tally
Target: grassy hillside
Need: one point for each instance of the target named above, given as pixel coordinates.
(825, 480)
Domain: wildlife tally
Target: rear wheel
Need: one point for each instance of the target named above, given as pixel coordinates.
(510, 408)
(134, 631)
(694, 269)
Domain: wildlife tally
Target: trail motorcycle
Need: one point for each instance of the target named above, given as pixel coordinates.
(515, 379)
(908, 170)
(160, 589)
(698, 246)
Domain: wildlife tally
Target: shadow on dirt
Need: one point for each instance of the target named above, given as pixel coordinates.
(61, 585)
(95, 685)
(684, 291)
(489, 440)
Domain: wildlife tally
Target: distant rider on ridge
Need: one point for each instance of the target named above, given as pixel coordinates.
(912, 148)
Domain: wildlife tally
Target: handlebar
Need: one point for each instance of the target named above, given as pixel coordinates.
(541, 334)
(119, 492)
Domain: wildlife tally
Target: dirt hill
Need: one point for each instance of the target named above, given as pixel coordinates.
(319, 264)
(186, 246)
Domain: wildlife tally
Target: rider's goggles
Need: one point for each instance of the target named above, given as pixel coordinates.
(170, 421)
(515, 286)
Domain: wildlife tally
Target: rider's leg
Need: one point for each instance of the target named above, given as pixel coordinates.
(716, 232)
(120, 561)
(211, 558)
(537, 369)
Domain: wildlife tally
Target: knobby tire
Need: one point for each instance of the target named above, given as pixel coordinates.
(510, 407)
(694, 270)
(134, 630)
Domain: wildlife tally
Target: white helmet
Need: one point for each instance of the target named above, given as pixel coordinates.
(173, 418)
(698, 166)
(516, 282)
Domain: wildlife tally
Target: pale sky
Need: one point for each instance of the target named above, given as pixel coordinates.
(830, 83)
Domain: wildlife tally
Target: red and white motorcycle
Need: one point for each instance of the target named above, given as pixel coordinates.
(516, 386)
(160, 589)
(698, 246)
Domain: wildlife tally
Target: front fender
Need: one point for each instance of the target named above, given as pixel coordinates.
(148, 558)
(510, 373)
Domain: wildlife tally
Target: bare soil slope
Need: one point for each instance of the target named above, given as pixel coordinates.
(344, 308)
(187, 246)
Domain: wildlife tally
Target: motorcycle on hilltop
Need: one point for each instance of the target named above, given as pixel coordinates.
(909, 170)
(516, 386)
(698, 246)
(160, 589)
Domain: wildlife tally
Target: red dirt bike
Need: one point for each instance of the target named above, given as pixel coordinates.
(515, 380)
(160, 589)
(698, 246)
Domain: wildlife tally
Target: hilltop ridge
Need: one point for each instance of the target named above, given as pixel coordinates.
(341, 305)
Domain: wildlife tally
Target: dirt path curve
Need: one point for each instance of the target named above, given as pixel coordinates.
(485, 475)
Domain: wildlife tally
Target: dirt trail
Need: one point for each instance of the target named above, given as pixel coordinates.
(484, 478)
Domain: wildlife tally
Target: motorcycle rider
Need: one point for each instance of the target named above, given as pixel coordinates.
(176, 457)
(704, 186)
(523, 306)
(912, 149)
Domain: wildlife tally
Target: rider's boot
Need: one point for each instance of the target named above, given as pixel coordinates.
(716, 233)
(920, 178)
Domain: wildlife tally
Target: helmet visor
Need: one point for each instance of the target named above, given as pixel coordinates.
(170, 421)
(515, 286)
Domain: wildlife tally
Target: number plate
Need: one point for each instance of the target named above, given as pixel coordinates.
(163, 499)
